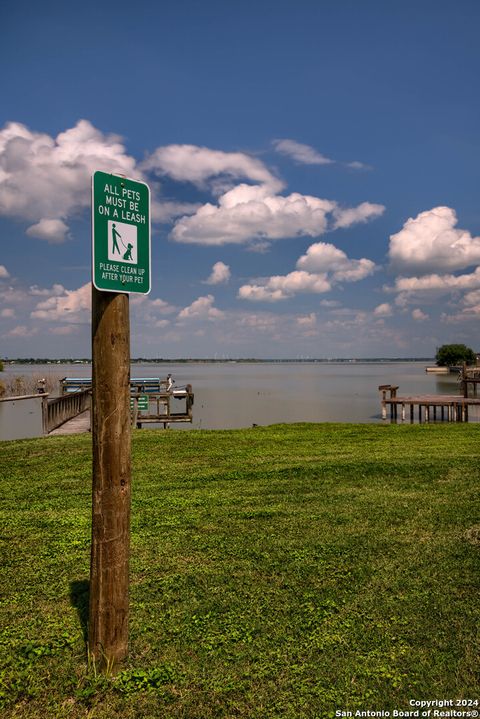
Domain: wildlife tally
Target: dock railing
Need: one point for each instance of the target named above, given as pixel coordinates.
(150, 399)
(59, 410)
(69, 385)
(156, 407)
(469, 380)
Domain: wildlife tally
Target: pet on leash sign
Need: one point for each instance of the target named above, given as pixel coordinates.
(120, 234)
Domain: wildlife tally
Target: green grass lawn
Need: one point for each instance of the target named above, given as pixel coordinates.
(289, 571)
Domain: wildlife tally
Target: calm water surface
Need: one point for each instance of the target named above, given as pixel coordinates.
(230, 395)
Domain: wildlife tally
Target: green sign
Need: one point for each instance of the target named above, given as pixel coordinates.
(120, 234)
(142, 402)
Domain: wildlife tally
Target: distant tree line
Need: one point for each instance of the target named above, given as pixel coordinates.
(46, 360)
(213, 360)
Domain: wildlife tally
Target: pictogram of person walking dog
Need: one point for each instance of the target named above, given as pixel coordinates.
(115, 248)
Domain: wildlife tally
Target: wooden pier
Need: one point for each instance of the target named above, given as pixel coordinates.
(152, 401)
(77, 425)
(427, 407)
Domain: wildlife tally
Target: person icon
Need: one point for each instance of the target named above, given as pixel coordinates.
(115, 234)
(128, 253)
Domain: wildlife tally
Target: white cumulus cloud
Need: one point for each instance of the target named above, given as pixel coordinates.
(53, 231)
(383, 310)
(438, 284)
(304, 154)
(248, 213)
(282, 287)
(251, 213)
(323, 266)
(472, 298)
(220, 274)
(307, 320)
(419, 316)
(73, 306)
(4, 273)
(147, 309)
(56, 290)
(325, 257)
(63, 330)
(190, 163)
(201, 309)
(45, 178)
(308, 155)
(431, 242)
(366, 211)
(330, 304)
(356, 165)
(22, 331)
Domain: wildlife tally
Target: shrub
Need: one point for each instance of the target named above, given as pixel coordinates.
(448, 355)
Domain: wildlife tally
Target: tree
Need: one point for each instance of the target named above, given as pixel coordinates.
(449, 355)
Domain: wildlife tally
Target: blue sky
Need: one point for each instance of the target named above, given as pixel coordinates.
(313, 166)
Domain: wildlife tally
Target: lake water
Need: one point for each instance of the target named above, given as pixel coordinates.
(230, 395)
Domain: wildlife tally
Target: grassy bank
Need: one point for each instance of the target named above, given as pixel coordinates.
(288, 571)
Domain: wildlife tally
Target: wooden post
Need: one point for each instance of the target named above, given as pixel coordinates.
(135, 412)
(111, 432)
(189, 402)
(45, 413)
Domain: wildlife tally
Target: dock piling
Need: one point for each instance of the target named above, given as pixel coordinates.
(453, 408)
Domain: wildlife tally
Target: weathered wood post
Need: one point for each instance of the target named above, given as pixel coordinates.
(45, 413)
(111, 433)
(120, 265)
(463, 380)
(383, 390)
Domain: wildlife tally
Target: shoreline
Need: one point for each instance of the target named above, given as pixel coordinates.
(212, 360)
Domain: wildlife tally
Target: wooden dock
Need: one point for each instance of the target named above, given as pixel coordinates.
(152, 401)
(427, 407)
(80, 423)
